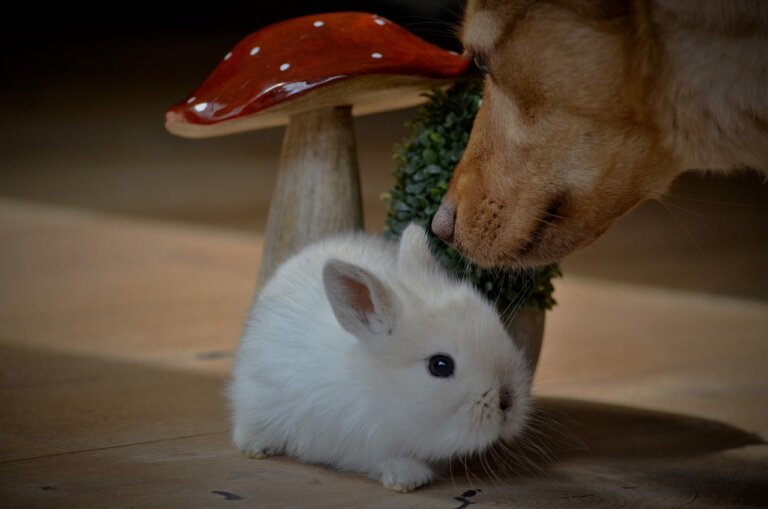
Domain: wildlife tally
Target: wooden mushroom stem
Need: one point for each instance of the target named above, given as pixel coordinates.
(317, 193)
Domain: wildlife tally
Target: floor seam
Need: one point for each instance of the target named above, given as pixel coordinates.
(120, 446)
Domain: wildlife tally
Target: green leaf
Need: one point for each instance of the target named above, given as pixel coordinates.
(415, 187)
(429, 156)
(437, 138)
(401, 206)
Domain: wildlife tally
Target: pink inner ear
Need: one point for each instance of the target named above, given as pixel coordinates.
(358, 295)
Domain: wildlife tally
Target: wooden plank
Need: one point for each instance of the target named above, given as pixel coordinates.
(628, 457)
(126, 289)
(607, 331)
(113, 351)
(54, 403)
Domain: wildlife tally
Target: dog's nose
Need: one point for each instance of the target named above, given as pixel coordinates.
(444, 221)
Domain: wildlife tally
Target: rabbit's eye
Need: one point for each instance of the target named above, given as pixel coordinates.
(440, 365)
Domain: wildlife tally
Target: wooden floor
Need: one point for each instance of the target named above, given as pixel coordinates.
(116, 337)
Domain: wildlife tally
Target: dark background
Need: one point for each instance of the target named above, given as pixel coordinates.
(82, 126)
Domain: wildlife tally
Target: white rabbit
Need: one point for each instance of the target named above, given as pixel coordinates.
(367, 357)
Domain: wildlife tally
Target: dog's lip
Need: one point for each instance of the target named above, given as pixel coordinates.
(540, 247)
(532, 256)
(548, 218)
(456, 242)
(526, 256)
(533, 242)
(544, 253)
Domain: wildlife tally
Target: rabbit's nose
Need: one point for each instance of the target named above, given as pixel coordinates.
(444, 221)
(504, 399)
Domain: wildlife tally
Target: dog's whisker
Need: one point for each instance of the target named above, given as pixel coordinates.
(712, 202)
(686, 230)
(684, 209)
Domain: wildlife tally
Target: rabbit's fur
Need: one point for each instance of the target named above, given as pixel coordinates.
(333, 367)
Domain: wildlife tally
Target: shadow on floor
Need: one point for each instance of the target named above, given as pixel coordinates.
(79, 415)
(584, 454)
(617, 431)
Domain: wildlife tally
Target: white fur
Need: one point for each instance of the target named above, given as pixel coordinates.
(305, 386)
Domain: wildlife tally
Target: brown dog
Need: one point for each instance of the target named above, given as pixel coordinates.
(591, 107)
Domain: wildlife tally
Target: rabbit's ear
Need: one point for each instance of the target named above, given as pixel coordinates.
(362, 303)
(414, 253)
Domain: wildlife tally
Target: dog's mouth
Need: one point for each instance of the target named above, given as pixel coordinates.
(549, 219)
(537, 250)
(552, 235)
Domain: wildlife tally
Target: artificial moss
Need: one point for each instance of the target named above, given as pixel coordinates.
(425, 161)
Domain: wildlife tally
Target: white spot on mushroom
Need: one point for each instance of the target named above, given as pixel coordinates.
(255, 51)
(379, 21)
(191, 100)
(452, 52)
(376, 55)
(285, 67)
(318, 24)
(228, 56)
(200, 107)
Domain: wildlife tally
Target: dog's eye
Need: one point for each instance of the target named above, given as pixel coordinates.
(440, 366)
(480, 64)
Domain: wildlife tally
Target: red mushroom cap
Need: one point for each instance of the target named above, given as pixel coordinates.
(288, 67)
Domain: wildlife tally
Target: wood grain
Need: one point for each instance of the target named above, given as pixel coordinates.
(317, 193)
(644, 397)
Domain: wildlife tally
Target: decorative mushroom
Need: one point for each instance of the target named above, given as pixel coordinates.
(309, 72)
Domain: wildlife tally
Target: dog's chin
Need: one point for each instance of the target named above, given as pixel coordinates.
(546, 249)
(537, 255)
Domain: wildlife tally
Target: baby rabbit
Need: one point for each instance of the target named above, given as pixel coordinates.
(365, 356)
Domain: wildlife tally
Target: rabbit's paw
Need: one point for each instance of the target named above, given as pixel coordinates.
(257, 454)
(252, 444)
(405, 474)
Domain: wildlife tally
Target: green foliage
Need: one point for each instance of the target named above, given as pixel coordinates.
(425, 161)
